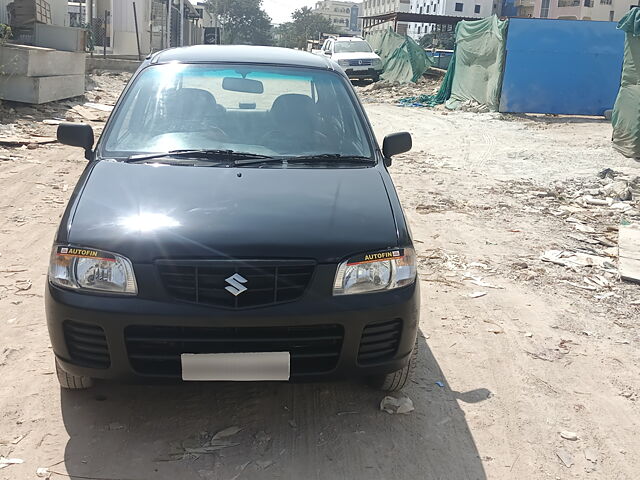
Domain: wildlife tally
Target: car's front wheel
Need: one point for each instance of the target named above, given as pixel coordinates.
(72, 382)
(395, 381)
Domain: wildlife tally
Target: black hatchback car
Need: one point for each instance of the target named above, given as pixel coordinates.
(235, 221)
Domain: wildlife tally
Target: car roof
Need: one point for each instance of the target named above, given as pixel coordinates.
(350, 39)
(241, 54)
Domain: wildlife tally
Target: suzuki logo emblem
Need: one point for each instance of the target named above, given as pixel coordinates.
(359, 62)
(235, 282)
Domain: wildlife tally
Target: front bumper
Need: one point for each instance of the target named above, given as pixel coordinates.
(360, 73)
(124, 320)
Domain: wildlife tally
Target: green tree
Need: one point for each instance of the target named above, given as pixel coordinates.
(242, 21)
(285, 35)
(445, 40)
(5, 33)
(306, 25)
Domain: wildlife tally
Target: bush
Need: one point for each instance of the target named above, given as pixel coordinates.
(5, 33)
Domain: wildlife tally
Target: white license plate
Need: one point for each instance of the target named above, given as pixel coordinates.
(238, 367)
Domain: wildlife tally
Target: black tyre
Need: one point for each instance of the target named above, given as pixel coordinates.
(72, 382)
(395, 381)
(375, 78)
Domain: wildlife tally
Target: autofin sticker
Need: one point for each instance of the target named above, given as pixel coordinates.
(85, 253)
(375, 256)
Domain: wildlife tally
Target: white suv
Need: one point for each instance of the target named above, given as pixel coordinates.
(355, 56)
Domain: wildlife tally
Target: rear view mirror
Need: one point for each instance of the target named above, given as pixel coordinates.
(76, 135)
(244, 85)
(396, 143)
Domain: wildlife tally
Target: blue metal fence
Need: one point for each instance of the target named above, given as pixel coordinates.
(440, 58)
(561, 66)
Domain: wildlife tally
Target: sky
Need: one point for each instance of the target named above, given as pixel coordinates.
(280, 10)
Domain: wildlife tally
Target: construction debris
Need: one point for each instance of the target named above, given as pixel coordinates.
(477, 294)
(473, 106)
(565, 457)
(577, 259)
(478, 281)
(43, 472)
(629, 251)
(5, 462)
(17, 141)
(591, 455)
(201, 444)
(618, 190)
(99, 106)
(393, 405)
(88, 114)
(592, 208)
(569, 435)
(23, 285)
(392, 92)
(29, 126)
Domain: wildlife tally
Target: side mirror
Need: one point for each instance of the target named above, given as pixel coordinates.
(377, 52)
(395, 144)
(76, 135)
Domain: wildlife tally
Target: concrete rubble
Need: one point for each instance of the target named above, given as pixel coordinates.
(593, 210)
(392, 92)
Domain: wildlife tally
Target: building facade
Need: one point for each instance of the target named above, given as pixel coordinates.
(600, 10)
(453, 8)
(116, 32)
(343, 15)
(206, 20)
(378, 7)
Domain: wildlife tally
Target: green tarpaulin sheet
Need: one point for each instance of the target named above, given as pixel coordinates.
(444, 92)
(403, 59)
(480, 50)
(626, 112)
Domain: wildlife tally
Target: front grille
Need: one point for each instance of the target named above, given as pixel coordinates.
(206, 282)
(379, 341)
(87, 344)
(360, 63)
(156, 350)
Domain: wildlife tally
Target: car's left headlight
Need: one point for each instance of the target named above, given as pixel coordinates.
(91, 269)
(343, 63)
(377, 63)
(376, 271)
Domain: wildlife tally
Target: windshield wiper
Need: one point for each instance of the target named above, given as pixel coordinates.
(198, 153)
(324, 157)
(333, 157)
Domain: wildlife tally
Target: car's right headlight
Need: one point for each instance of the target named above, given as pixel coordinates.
(376, 271)
(343, 63)
(91, 269)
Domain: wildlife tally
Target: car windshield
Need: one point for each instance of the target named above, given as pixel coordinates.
(352, 47)
(261, 110)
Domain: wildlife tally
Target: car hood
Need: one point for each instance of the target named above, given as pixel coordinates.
(354, 56)
(148, 212)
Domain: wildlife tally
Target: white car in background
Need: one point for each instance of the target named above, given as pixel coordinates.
(354, 55)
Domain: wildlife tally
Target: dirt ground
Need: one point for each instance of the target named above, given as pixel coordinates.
(547, 349)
